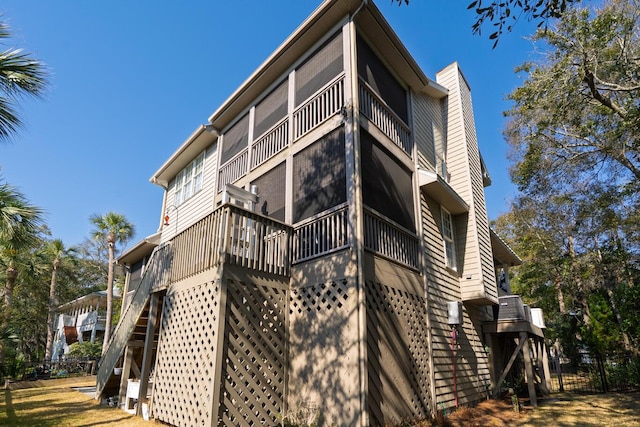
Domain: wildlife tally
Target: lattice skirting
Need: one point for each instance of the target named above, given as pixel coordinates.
(184, 372)
(397, 353)
(324, 354)
(253, 379)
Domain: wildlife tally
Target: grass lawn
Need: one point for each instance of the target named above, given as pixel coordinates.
(585, 410)
(57, 403)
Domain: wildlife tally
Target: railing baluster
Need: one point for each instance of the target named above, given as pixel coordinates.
(384, 118)
(391, 241)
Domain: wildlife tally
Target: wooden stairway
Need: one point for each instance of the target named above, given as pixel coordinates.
(132, 325)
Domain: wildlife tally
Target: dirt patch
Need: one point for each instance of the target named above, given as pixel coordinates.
(560, 409)
(495, 413)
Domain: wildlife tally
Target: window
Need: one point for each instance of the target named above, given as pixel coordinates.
(448, 236)
(189, 180)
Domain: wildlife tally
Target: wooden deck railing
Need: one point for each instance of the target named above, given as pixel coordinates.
(319, 108)
(234, 169)
(244, 238)
(321, 236)
(389, 240)
(376, 110)
(271, 143)
(255, 241)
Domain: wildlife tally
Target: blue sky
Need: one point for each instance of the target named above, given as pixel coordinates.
(131, 80)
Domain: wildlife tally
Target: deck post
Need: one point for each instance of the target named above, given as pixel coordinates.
(147, 355)
(528, 367)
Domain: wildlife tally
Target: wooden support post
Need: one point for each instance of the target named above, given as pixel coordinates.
(220, 350)
(528, 367)
(545, 365)
(148, 355)
(124, 377)
(493, 369)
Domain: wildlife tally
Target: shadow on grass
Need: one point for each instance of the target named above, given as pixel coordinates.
(8, 404)
(595, 410)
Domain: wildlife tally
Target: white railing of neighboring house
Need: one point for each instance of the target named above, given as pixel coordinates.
(441, 169)
(391, 241)
(378, 112)
(234, 169)
(321, 235)
(327, 102)
(270, 143)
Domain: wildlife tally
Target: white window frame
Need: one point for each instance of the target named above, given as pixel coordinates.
(188, 181)
(449, 239)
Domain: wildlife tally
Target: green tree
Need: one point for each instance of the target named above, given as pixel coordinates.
(19, 222)
(56, 250)
(112, 228)
(20, 75)
(577, 113)
(504, 14)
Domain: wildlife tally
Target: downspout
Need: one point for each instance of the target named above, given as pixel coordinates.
(154, 180)
(454, 338)
(363, 4)
(359, 230)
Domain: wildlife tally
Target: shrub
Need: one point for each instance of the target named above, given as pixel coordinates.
(85, 350)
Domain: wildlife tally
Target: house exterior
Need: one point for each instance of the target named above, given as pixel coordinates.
(80, 320)
(323, 246)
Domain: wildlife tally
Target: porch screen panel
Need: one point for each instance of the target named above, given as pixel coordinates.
(235, 139)
(319, 180)
(386, 184)
(377, 75)
(271, 194)
(270, 110)
(325, 64)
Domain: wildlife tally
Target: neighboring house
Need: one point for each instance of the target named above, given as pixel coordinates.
(316, 239)
(81, 320)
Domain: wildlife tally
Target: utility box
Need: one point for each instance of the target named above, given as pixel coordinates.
(511, 308)
(454, 313)
(537, 318)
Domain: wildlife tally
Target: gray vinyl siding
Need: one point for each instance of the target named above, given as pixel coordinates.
(443, 286)
(198, 206)
(463, 160)
(479, 205)
(428, 125)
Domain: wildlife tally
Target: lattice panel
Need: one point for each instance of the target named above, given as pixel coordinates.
(397, 320)
(184, 372)
(324, 351)
(254, 371)
(318, 298)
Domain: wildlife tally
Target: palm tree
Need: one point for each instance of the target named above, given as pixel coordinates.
(19, 222)
(20, 75)
(56, 250)
(113, 228)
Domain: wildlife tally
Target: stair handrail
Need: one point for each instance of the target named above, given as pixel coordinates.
(134, 308)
